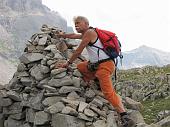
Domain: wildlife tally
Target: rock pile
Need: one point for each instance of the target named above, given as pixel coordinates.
(40, 95)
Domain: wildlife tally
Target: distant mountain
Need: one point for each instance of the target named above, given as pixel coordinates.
(143, 56)
(7, 70)
(19, 19)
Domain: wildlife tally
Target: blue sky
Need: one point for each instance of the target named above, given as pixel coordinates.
(136, 22)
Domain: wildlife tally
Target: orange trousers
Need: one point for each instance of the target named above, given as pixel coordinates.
(103, 73)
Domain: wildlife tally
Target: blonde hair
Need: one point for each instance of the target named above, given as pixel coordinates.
(82, 18)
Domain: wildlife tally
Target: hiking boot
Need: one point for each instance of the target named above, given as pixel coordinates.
(127, 122)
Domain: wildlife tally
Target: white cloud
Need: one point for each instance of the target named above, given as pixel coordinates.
(136, 22)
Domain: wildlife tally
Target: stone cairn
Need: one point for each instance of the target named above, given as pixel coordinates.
(40, 95)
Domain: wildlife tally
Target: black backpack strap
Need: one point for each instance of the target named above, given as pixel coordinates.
(116, 62)
(91, 44)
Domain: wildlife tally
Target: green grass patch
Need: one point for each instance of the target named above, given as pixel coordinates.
(152, 108)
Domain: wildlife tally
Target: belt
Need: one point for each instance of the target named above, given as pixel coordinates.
(104, 60)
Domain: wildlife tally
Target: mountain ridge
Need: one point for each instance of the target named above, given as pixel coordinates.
(143, 56)
(145, 47)
(19, 19)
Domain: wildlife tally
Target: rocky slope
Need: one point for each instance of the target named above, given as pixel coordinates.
(149, 85)
(40, 95)
(146, 83)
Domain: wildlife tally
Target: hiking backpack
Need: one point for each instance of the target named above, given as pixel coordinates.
(111, 45)
(110, 42)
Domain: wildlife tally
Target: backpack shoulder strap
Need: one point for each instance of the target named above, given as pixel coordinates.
(92, 44)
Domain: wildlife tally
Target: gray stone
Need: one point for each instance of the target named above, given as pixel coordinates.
(61, 75)
(1, 109)
(30, 115)
(26, 81)
(51, 94)
(77, 73)
(58, 56)
(89, 112)
(89, 124)
(21, 67)
(136, 116)
(39, 48)
(49, 88)
(2, 119)
(35, 102)
(5, 102)
(2, 87)
(132, 104)
(43, 82)
(31, 57)
(69, 111)
(12, 123)
(102, 99)
(50, 62)
(98, 111)
(13, 95)
(50, 48)
(97, 102)
(61, 46)
(42, 41)
(73, 96)
(35, 40)
(13, 82)
(36, 73)
(18, 116)
(58, 71)
(44, 61)
(100, 123)
(82, 106)
(76, 82)
(54, 82)
(21, 74)
(84, 117)
(165, 122)
(51, 100)
(41, 118)
(44, 69)
(25, 125)
(89, 93)
(31, 48)
(71, 103)
(13, 109)
(61, 120)
(27, 89)
(111, 121)
(3, 94)
(68, 89)
(67, 81)
(56, 108)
